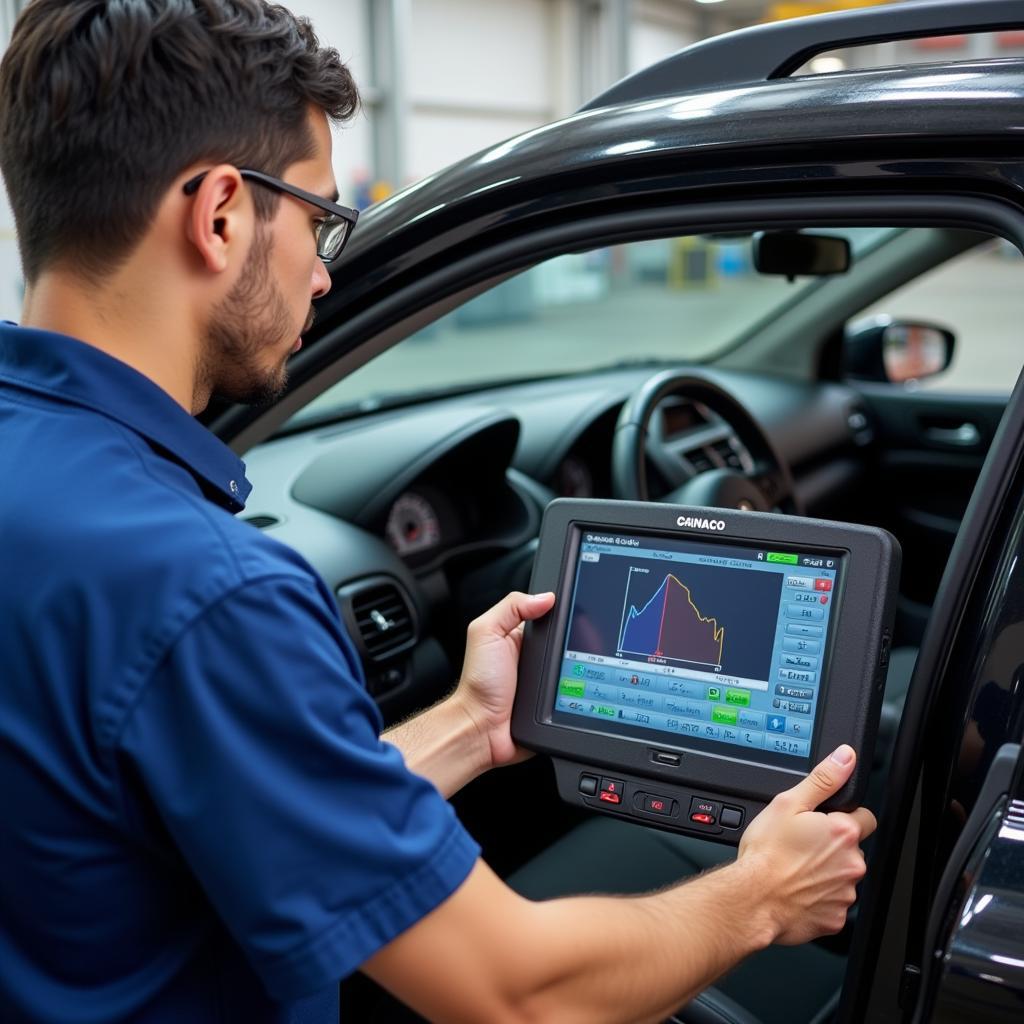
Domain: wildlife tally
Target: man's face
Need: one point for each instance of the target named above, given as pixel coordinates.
(253, 331)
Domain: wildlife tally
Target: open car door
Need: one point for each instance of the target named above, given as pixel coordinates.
(972, 964)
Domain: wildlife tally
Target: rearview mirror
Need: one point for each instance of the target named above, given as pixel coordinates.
(897, 351)
(793, 254)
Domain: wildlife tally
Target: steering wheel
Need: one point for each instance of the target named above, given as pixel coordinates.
(765, 488)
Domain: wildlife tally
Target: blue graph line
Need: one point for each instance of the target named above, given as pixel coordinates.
(633, 613)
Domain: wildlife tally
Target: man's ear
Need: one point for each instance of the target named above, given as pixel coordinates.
(220, 221)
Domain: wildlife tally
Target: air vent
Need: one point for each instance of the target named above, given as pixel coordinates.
(262, 522)
(1015, 814)
(728, 454)
(700, 460)
(382, 618)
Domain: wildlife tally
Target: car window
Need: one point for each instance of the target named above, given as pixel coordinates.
(977, 295)
(674, 299)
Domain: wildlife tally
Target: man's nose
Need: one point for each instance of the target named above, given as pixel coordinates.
(321, 280)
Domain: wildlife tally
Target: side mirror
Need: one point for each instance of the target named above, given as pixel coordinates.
(792, 254)
(896, 351)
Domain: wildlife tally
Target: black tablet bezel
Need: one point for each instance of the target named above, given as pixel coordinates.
(854, 670)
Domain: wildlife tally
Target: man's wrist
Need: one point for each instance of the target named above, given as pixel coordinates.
(750, 873)
(471, 732)
(444, 744)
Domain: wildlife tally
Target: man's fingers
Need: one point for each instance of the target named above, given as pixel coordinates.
(865, 820)
(825, 780)
(510, 611)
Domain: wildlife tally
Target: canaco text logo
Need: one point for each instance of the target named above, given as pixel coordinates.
(700, 524)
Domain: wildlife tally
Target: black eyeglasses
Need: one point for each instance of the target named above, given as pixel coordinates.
(331, 233)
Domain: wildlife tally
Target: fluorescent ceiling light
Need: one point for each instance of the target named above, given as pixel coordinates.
(827, 65)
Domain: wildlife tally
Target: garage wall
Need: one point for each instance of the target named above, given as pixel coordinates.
(344, 24)
(659, 29)
(8, 13)
(478, 73)
(10, 264)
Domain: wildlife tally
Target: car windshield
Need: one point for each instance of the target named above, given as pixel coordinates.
(668, 300)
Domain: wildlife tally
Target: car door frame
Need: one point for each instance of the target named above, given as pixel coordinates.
(979, 603)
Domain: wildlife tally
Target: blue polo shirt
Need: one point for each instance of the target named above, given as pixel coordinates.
(200, 822)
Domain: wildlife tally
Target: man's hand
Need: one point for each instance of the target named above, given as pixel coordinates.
(488, 681)
(808, 862)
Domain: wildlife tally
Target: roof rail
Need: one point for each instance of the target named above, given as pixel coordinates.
(776, 50)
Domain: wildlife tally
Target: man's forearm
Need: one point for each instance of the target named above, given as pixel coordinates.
(678, 941)
(588, 959)
(442, 744)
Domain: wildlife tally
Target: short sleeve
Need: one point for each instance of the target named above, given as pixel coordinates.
(260, 750)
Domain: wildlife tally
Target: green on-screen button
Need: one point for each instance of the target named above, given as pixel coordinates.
(740, 697)
(570, 688)
(726, 716)
(781, 556)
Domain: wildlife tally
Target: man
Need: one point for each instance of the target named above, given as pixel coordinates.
(202, 821)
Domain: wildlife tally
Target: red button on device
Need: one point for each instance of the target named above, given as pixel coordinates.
(658, 805)
(609, 797)
(821, 584)
(703, 819)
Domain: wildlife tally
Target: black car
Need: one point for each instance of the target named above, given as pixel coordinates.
(741, 228)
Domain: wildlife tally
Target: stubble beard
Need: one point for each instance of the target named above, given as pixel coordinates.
(252, 320)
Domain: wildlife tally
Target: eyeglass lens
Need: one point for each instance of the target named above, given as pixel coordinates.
(331, 238)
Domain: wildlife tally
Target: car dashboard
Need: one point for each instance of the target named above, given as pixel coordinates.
(420, 517)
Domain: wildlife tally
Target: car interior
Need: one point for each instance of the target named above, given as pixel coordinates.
(847, 372)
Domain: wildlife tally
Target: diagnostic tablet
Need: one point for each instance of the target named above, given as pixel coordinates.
(698, 661)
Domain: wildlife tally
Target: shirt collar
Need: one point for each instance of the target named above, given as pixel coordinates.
(70, 370)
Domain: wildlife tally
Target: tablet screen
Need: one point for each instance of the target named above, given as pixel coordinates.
(699, 643)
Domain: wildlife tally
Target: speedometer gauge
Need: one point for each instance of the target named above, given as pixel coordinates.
(413, 525)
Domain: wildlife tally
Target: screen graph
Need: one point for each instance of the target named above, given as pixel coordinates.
(670, 625)
(697, 642)
(690, 614)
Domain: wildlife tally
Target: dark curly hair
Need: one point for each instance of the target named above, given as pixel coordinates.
(103, 103)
